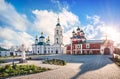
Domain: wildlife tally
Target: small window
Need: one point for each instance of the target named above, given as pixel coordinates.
(57, 31)
(87, 46)
(57, 40)
(61, 32)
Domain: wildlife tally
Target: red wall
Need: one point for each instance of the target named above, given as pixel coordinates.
(92, 46)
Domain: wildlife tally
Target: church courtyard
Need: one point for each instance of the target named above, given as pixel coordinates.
(78, 67)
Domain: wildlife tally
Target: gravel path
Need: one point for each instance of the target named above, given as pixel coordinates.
(78, 67)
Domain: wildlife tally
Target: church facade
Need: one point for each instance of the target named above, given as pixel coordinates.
(43, 46)
(80, 45)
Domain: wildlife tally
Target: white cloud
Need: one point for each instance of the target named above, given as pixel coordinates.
(60, 5)
(99, 29)
(94, 19)
(11, 37)
(111, 32)
(46, 21)
(90, 31)
(10, 17)
(15, 25)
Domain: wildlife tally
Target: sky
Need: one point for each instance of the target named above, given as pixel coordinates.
(22, 20)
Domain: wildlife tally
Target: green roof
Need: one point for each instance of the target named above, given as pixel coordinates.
(41, 43)
(3, 49)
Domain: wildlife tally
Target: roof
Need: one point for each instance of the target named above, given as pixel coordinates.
(41, 37)
(3, 49)
(73, 31)
(81, 31)
(78, 37)
(41, 43)
(58, 24)
(78, 28)
(95, 41)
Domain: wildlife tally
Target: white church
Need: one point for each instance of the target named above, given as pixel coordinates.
(43, 46)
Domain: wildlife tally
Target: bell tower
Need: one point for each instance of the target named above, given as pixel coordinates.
(58, 35)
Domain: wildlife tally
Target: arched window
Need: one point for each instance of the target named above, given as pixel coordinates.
(87, 45)
(61, 32)
(57, 40)
(57, 31)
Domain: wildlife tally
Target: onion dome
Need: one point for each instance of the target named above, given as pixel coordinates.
(41, 35)
(58, 24)
(78, 29)
(73, 31)
(81, 31)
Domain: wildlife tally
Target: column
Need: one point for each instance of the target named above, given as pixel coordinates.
(71, 46)
(81, 48)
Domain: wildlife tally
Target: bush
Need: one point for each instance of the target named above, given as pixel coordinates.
(55, 62)
(7, 66)
(9, 70)
(5, 74)
(116, 59)
(15, 66)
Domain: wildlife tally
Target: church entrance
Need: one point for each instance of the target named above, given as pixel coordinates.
(106, 51)
(56, 51)
(11, 53)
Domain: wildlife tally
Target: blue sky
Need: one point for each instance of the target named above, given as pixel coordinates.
(107, 9)
(24, 19)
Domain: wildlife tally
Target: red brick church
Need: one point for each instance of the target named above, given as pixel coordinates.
(80, 45)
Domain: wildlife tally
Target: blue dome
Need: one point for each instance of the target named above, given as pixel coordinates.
(41, 37)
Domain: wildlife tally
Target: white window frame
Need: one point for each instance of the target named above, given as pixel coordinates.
(87, 45)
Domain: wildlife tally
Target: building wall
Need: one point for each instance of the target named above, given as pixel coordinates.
(88, 48)
(48, 49)
(4, 53)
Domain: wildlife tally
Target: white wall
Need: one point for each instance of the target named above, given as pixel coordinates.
(5, 53)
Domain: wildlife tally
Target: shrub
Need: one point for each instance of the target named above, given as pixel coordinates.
(5, 74)
(55, 62)
(15, 66)
(7, 66)
(20, 70)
